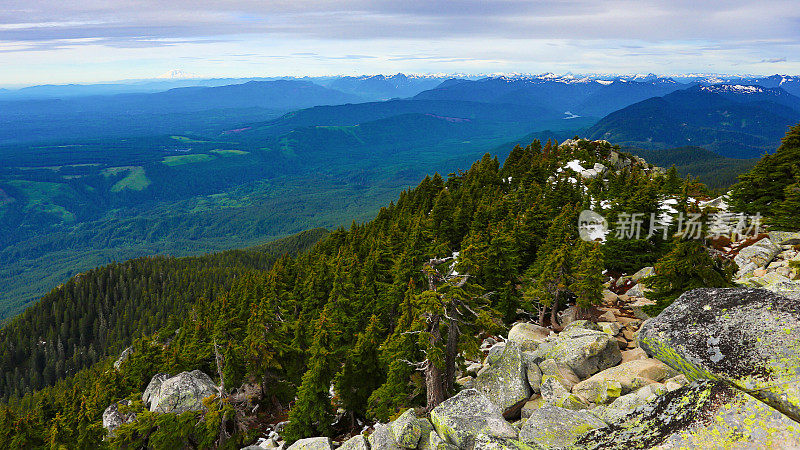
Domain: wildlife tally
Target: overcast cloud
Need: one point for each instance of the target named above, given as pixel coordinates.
(57, 40)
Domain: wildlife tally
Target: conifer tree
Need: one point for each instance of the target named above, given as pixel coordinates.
(687, 266)
(313, 411)
(362, 373)
(588, 284)
(786, 214)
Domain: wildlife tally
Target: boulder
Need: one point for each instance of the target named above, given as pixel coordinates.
(532, 372)
(425, 439)
(554, 427)
(382, 438)
(460, 419)
(747, 337)
(357, 442)
(638, 290)
(495, 352)
(406, 429)
(583, 324)
(552, 390)
(178, 394)
(533, 404)
(784, 237)
(527, 335)
(314, 443)
(757, 255)
(435, 442)
(560, 371)
(113, 417)
(598, 391)
(609, 328)
(705, 414)
(633, 355)
(643, 273)
(153, 387)
(486, 442)
(505, 383)
(626, 375)
(676, 382)
(586, 352)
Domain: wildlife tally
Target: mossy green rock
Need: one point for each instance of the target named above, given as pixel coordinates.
(554, 427)
(747, 337)
(461, 418)
(527, 336)
(627, 375)
(425, 439)
(505, 383)
(486, 442)
(314, 443)
(586, 352)
(357, 442)
(406, 429)
(704, 414)
(382, 438)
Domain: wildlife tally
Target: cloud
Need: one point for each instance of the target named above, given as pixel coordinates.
(773, 60)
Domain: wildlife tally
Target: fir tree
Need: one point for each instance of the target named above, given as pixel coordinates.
(687, 266)
(588, 284)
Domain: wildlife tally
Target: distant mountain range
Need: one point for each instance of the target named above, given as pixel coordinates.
(737, 121)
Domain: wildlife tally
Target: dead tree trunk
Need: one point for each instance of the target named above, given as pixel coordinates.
(434, 384)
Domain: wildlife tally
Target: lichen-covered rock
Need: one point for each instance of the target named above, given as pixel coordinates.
(527, 335)
(313, 443)
(495, 352)
(554, 427)
(586, 352)
(747, 337)
(582, 324)
(153, 387)
(643, 273)
(425, 438)
(178, 394)
(552, 390)
(357, 442)
(784, 237)
(406, 429)
(560, 371)
(437, 443)
(113, 417)
(756, 256)
(532, 373)
(486, 442)
(461, 418)
(609, 328)
(505, 382)
(626, 375)
(533, 404)
(599, 391)
(382, 438)
(705, 414)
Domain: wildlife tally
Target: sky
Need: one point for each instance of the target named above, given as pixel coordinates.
(68, 41)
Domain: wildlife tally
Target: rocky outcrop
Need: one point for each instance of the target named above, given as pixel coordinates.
(123, 357)
(357, 442)
(407, 429)
(314, 443)
(705, 414)
(178, 394)
(756, 256)
(505, 382)
(527, 336)
(460, 419)
(383, 438)
(747, 337)
(586, 352)
(554, 427)
(113, 417)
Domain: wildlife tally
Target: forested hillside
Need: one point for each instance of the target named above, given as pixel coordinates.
(352, 311)
(100, 312)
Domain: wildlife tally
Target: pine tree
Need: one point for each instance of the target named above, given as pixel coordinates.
(785, 215)
(362, 373)
(588, 284)
(687, 266)
(313, 411)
